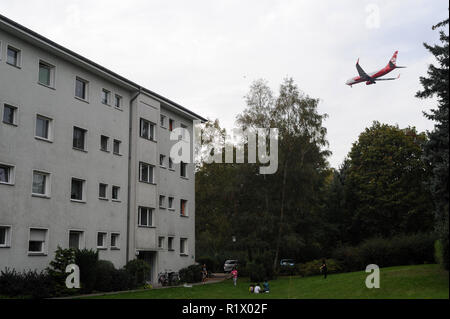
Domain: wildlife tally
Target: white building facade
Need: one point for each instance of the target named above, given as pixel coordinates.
(85, 161)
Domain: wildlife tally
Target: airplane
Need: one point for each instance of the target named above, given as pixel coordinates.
(373, 77)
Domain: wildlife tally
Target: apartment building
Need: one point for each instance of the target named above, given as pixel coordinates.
(85, 161)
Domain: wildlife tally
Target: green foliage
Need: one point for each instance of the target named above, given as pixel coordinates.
(104, 276)
(384, 192)
(57, 270)
(27, 284)
(385, 252)
(139, 270)
(191, 274)
(211, 264)
(438, 257)
(436, 148)
(87, 261)
(312, 268)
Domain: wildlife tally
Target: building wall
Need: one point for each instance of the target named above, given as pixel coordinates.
(18, 146)
(58, 213)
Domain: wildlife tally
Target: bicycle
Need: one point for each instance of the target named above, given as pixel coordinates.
(170, 278)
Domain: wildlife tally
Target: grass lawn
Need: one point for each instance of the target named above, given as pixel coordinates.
(420, 281)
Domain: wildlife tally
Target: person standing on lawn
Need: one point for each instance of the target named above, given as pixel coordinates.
(204, 273)
(234, 274)
(324, 269)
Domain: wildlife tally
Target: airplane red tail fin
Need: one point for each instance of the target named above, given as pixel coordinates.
(393, 60)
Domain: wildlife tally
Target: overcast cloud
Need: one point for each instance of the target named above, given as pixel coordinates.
(205, 54)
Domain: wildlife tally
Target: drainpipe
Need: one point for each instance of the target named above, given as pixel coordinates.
(130, 132)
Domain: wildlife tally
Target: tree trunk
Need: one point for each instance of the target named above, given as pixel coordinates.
(280, 229)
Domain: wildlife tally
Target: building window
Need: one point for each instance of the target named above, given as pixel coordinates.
(10, 114)
(162, 120)
(115, 193)
(102, 191)
(162, 201)
(170, 163)
(79, 138)
(101, 240)
(162, 160)
(184, 132)
(116, 147)
(170, 203)
(104, 140)
(171, 124)
(105, 96)
(183, 246)
(183, 207)
(37, 242)
(77, 191)
(43, 127)
(160, 242)
(147, 130)
(146, 173)
(6, 174)
(170, 243)
(115, 240)
(41, 183)
(13, 56)
(81, 88)
(5, 236)
(145, 217)
(183, 169)
(117, 101)
(46, 74)
(75, 238)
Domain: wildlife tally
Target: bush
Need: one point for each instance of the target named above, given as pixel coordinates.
(31, 284)
(104, 276)
(87, 261)
(122, 280)
(139, 271)
(438, 252)
(256, 271)
(386, 252)
(312, 268)
(191, 274)
(211, 264)
(57, 271)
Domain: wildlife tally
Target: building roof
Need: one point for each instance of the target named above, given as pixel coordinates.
(30, 34)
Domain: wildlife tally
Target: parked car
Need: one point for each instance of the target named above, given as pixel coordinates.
(229, 265)
(287, 262)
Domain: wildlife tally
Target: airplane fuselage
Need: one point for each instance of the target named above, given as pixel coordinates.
(357, 79)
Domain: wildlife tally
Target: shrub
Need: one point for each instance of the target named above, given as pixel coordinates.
(191, 274)
(385, 252)
(139, 270)
(104, 276)
(87, 261)
(11, 283)
(256, 271)
(57, 271)
(211, 264)
(122, 280)
(438, 252)
(312, 268)
(31, 284)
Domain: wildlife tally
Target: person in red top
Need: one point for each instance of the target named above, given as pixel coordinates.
(234, 274)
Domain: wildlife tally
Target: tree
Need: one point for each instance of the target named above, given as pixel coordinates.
(301, 157)
(436, 148)
(384, 190)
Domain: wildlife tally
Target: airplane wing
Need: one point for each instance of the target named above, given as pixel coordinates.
(387, 79)
(361, 72)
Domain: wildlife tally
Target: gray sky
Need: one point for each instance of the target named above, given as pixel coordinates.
(205, 54)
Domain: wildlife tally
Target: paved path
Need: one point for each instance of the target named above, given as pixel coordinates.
(218, 277)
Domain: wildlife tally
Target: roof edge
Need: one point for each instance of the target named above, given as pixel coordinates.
(93, 64)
